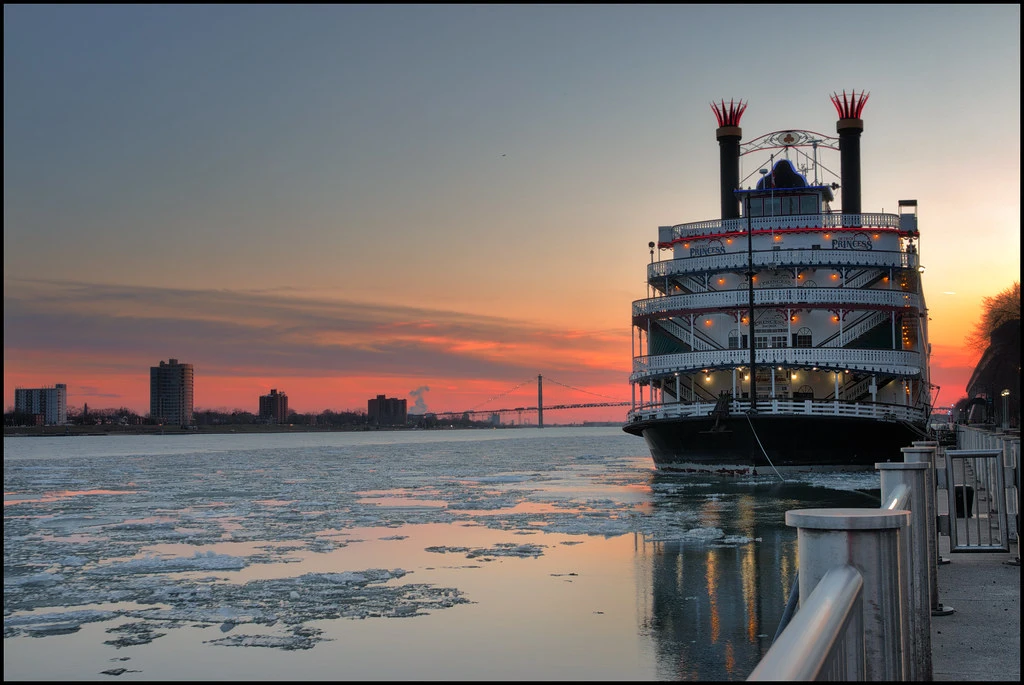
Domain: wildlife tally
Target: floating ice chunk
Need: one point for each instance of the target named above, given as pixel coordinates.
(703, 534)
(35, 579)
(152, 564)
(53, 623)
(508, 478)
(735, 540)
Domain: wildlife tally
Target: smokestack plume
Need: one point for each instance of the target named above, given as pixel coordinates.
(420, 407)
(729, 134)
(849, 127)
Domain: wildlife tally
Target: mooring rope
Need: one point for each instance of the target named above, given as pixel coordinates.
(762, 448)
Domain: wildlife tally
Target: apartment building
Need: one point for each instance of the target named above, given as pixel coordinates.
(387, 411)
(274, 407)
(49, 405)
(171, 393)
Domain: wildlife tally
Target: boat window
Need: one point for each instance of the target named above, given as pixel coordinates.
(808, 204)
(804, 392)
(760, 341)
(756, 207)
(773, 206)
(791, 205)
(802, 338)
(778, 341)
(735, 341)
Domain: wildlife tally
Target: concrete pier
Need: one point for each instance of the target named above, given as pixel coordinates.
(980, 640)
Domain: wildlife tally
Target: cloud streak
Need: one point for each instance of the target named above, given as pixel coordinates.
(126, 329)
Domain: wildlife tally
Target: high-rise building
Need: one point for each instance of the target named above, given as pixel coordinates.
(49, 403)
(171, 393)
(274, 407)
(387, 411)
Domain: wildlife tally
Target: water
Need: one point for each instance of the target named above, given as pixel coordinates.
(526, 554)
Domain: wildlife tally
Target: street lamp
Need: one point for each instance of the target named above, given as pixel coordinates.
(1006, 409)
(750, 297)
(651, 246)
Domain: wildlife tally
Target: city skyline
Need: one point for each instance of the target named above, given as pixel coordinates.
(438, 202)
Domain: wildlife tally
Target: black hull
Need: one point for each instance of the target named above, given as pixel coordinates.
(732, 445)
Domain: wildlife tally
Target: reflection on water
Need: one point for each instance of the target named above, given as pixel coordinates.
(519, 555)
(715, 607)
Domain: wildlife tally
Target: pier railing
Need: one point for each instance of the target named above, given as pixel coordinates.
(867, 577)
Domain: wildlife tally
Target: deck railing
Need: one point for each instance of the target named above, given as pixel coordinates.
(898, 362)
(719, 227)
(847, 298)
(789, 257)
(863, 410)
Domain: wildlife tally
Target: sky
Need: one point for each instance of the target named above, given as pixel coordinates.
(442, 202)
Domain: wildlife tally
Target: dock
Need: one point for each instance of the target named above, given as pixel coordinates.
(980, 640)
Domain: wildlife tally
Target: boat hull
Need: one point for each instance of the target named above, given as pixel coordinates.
(737, 445)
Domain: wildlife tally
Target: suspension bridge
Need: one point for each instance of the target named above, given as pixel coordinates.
(539, 408)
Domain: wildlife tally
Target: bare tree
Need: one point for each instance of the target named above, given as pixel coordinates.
(995, 311)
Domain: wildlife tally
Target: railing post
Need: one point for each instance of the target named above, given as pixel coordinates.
(867, 539)
(917, 596)
(926, 451)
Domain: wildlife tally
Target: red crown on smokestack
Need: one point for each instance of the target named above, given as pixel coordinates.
(729, 115)
(850, 106)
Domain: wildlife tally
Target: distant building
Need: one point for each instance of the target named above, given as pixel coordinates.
(274, 407)
(171, 393)
(48, 405)
(387, 411)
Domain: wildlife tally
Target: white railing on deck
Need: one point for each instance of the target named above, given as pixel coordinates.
(667, 234)
(777, 297)
(862, 410)
(783, 258)
(900, 362)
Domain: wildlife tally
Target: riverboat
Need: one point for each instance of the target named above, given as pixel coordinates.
(787, 334)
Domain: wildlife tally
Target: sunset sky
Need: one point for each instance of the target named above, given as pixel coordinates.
(346, 201)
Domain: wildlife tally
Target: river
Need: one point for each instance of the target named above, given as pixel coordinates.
(507, 554)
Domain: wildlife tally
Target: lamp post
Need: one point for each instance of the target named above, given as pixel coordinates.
(651, 246)
(750, 297)
(1006, 409)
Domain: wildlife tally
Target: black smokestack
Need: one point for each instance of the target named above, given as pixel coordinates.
(849, 128)
(729, 134)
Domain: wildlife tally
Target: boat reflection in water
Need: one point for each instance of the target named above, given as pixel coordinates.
(719, 592)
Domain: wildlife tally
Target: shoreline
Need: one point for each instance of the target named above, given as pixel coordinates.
(78, 431)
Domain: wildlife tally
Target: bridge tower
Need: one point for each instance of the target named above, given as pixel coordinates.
(540, 401)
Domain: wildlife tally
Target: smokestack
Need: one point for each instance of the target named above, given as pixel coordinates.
(849, 127)
(729, 134)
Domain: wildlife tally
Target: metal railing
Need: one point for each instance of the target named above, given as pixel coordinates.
(863, 410)
(815, 642)
(867, 581)
(725, 227)
(776, 297)
(899, 362)
(790, 257)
